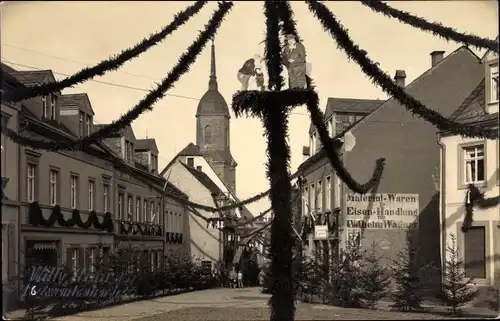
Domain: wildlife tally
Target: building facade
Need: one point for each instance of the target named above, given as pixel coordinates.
(405, 204)
(466, 161)
(10, 196)
(321, 188)
(74, 207)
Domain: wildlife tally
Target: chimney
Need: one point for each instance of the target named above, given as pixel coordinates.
(199, 168)
(305, 152)
(400, 77)
(436, 57)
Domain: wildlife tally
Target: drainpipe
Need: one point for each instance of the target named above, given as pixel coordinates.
(442, 202)
(20, 208)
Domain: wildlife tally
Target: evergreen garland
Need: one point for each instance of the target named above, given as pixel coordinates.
(474, 198)
(317, 119)
(112, 63)
(36, 218)
(435, 27)
(341, 36)
(182, 66)
(275, 119)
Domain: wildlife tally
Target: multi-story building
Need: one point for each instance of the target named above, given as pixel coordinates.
(72, 207)
(147, 217)
(466, 161)
(321, 195)
(405, 204)
(65, 212)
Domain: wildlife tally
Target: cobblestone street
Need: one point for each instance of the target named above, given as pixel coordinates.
(230, 305)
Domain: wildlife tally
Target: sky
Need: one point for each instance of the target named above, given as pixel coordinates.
(66, 36)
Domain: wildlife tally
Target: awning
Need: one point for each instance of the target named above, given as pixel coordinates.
(45, 246)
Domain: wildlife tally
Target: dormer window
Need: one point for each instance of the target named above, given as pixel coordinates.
(154, 162)
(53, 107)
(89, 125)
(45, 108)
(129, 151)
(81, 125)
(312, 143)
(493, 95)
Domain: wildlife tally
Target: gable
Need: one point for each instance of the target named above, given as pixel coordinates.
(442, 88)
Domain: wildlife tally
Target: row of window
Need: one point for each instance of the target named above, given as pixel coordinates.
(74, 189)
(147, 213)
(88, 258)
(49, 103)
(317, 196)
(336, 124)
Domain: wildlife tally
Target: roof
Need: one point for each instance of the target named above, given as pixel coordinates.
(212, 104)
(447, 75)
(190, 150)
(473, 108)
(34, 77)
(81, 100)
(146, 144)
(214, 155)
(204, 179)
(350, 106)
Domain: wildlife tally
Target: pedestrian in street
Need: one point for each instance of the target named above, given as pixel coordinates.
(233, 278)
(262, 275)
(240, 279)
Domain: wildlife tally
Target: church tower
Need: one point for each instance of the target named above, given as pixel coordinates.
(213, 130)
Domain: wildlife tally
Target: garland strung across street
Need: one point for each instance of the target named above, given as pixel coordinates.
(112, 63)
(341, 36)
(182, 66)
(474, 198)
(436, 28)
(35, 217)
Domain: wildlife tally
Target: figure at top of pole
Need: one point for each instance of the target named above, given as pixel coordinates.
(251, 68)
(294, 59)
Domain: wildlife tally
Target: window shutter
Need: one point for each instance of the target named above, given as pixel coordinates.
(81, 258)
(11, 252)
(87, 259)
(69, 254)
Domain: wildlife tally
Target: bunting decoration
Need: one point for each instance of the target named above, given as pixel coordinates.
(474, 198)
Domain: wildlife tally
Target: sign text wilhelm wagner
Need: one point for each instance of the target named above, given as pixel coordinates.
(382, 211)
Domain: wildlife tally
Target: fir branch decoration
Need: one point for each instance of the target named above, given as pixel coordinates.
(255, 102)
(275, 119)
(288, 27)
(329, 147)
(435, 27)
(341, 36)
(474, 198)
(182, 66)
(112, 63)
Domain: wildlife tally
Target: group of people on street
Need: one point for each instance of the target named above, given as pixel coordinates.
(233, 279)
(293, 58)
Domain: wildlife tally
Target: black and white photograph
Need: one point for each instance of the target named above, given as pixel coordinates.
(250, 160)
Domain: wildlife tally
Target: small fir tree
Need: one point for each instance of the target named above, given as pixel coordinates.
(345, 276)
(456, 288)
(375, 280)
(409, 273)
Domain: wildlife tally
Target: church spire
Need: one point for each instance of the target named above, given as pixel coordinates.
(212, 84)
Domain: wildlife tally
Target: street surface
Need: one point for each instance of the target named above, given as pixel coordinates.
(230, 305)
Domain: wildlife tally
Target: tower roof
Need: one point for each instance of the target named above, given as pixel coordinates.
(212, 103)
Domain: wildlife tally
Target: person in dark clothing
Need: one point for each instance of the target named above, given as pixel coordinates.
(247, 71)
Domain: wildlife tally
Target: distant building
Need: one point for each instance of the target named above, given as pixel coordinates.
(475, 161)
(407, 197)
